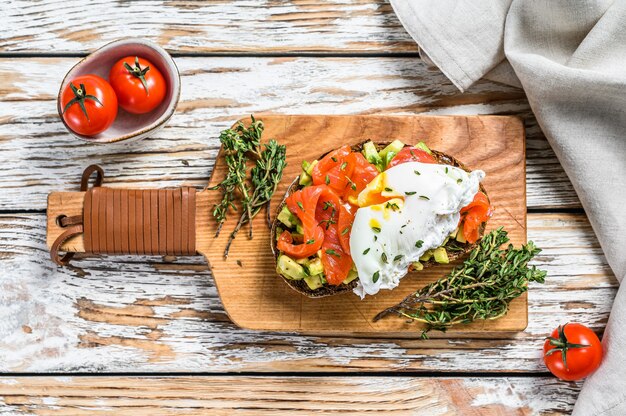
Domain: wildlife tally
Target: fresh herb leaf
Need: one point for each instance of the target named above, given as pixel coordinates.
(300, 205)
(376, 230)
(334, 159)
(481, 288)
(388, 190)
(241, 143)
(332, 253)
(424, 197)
(410, 193)
(343, 165)
(416, 172)
(345, 230)
(367, 250)
(376, 276)
(398, 258)
(311, 241)
(459, 180)
(419, 243)
(383, 257)
(327, 180)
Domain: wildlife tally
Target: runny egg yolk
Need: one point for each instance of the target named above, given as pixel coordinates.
(376, 192)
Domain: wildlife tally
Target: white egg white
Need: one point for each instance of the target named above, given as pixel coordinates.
(425, 209)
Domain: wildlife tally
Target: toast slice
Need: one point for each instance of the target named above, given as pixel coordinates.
(454, 249)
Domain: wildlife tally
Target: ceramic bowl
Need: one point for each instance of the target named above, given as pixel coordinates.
(128, 127)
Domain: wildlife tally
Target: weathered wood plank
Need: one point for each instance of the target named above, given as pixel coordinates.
(147, 314)
(185, 26)
(135, 396)
(217, 91)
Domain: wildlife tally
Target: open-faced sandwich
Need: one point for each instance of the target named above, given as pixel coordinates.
(361, 217)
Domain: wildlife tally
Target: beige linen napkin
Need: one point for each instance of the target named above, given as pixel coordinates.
(570, 58)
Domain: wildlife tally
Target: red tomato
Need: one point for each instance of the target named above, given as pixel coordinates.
(473, 215)
(411, 154)
(89, 105)
(139, 85)
(572, 352)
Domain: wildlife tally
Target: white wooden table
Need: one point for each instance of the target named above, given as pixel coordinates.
(122, 335)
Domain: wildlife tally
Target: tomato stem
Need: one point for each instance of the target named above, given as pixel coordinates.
(80, 95)
(138, 72)
(561, 344)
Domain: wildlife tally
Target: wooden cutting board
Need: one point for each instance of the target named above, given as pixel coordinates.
(256, 298)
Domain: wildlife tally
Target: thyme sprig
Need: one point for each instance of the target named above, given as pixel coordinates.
(242, 144)
(264, 176)
(481, 288)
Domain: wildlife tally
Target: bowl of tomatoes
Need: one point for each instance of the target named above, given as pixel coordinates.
(126, 90)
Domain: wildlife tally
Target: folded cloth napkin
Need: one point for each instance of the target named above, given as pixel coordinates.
(570, 58)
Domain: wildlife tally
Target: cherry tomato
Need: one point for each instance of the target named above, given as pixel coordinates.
(572, 352)
(411, 154)
(139, 85)
(89, 105)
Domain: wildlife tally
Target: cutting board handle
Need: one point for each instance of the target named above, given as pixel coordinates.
(101, 220)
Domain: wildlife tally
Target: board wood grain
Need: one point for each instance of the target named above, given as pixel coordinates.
(192, 26)
(281, 396)
(255, 298)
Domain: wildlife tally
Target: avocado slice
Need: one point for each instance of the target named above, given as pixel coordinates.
(422, 146)
(286, 217)
(427, 255)
(315, 266)
(371, 154)
(352, 274)
(417, 266)
(394, 147)
(441, 256)
(289, 268)
(460, 237)
(308, 167)
(314, 282)
(305, 179)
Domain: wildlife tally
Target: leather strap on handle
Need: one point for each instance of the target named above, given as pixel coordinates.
(123, 221)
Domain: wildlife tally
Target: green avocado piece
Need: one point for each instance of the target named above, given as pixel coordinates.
(371, 154)
(352, 274)
(427, 255)
(440, 255)
(422, 146)
(308, 167)
(314, 282)
(417, 266)
(315, 266)
(460, 237)
(305, 179)
(289, 268)
(286, 217)
(393, 147)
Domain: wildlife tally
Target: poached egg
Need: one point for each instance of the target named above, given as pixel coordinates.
(405, 211)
